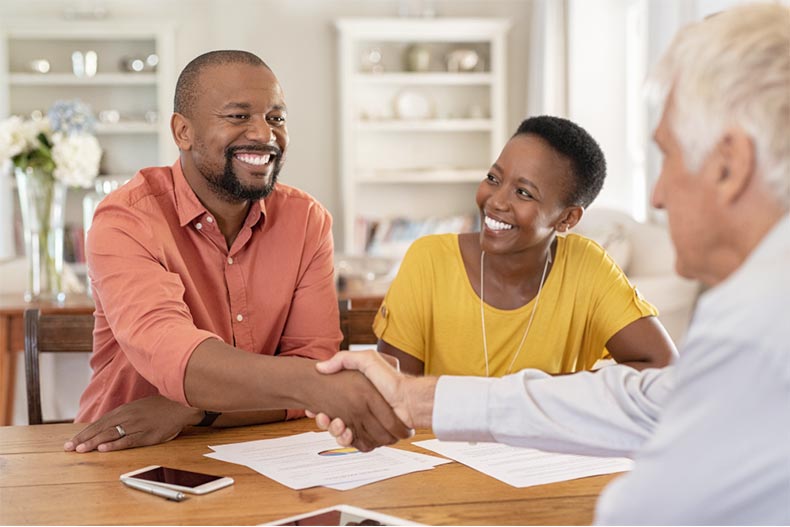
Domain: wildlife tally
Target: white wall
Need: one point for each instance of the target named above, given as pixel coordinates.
(297, 39)
(612, 46)
(665, 18)
(596, 88)
(300, 47)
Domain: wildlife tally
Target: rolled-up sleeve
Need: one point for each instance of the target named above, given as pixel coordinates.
(312, 328)
(142, 301)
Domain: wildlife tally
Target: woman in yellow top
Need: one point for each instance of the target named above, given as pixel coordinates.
(516, 295)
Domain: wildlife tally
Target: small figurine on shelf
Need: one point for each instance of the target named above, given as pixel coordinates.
(417, 58)
(371, 60)
(416, 8)
(462, 60)
(39, 66)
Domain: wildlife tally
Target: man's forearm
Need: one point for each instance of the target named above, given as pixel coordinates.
(222, 378)
(611, 412)
(640, 365)
(230, 419)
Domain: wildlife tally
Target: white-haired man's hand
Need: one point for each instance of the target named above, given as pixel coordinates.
(410, 397)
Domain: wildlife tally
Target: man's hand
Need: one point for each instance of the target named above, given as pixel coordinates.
(351, 397)
(148, 421)
(410, 397)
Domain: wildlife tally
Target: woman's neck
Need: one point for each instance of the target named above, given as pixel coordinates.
(512, 279)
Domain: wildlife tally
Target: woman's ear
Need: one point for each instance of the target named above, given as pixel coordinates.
(182, 131)
(569, 218)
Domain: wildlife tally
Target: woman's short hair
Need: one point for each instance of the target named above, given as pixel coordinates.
(573, 142)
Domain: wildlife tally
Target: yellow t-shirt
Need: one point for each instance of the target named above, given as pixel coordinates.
(432, 312)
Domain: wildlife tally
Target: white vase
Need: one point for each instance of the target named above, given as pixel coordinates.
(7, 249)
(42, 202)
(417, 58)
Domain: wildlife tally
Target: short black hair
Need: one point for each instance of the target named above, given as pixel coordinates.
(572, 141)
(187, 85)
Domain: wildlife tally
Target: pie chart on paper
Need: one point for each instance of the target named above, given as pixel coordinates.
(338, 452)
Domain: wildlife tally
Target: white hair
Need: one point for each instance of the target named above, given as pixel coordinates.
(732, 68)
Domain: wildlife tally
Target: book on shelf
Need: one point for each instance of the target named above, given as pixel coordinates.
(74, 244)
(391, 237)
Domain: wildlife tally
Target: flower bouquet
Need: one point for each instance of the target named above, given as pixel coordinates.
(49, 154)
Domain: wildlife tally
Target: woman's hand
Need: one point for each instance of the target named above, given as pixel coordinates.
(144, 422)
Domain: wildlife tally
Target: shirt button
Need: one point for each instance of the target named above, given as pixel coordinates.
(209, 219)
(239, 317)
(198, 225)
(230, 260)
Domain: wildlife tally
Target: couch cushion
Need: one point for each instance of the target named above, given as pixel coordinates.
(610, 231)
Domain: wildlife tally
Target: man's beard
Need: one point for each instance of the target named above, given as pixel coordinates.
(230, 188)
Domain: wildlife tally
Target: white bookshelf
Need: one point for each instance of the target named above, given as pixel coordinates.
(437, 78)
(427, 125)
(68, 79)
(129, 144)
(417, 166)
(127, 127)
(137, 139)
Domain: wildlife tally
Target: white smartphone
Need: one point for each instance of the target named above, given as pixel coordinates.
(176, 479)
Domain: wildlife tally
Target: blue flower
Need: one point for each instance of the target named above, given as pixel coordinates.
(71, 117)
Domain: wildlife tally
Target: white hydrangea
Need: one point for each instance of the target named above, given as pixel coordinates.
(76, 158)
(31, 130)
(68, 144)
(18, 135)
(12, 139)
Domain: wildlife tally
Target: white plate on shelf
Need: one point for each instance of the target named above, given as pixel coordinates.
(410, 104)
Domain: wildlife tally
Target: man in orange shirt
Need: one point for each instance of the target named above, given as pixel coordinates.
(214, 283)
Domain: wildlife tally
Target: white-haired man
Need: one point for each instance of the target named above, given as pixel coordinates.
(710, 434)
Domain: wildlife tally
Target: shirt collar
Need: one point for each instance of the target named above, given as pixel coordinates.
(189, 206)
(773, 248)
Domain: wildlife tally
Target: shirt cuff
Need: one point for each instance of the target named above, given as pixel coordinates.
(464, 407)
(460, 408)
(172, 386)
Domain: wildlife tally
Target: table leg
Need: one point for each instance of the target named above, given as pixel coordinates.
(10, 386)
(7, 374)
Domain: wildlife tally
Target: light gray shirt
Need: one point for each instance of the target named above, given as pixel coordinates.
(710, 435)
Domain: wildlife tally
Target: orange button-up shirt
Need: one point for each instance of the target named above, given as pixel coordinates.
(164, 281)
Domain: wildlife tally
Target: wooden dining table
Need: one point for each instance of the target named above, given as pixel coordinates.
(41, 484)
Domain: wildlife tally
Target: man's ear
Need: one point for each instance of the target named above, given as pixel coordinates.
(181, 128)
(736, 157)
(569, 218)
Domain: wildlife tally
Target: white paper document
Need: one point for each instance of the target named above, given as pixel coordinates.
(524, 467)
(314, 458)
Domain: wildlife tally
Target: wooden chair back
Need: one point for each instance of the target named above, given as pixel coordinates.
(51, 333)
(356, 320)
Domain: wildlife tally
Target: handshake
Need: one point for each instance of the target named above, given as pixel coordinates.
(411, 399)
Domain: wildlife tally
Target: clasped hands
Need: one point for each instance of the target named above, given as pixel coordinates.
(411, 398)
(378, 407)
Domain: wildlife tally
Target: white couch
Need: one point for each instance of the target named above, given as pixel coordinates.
(645, 253)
